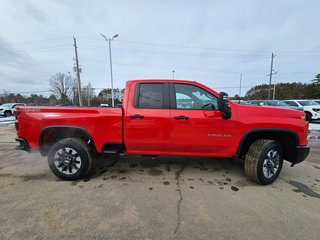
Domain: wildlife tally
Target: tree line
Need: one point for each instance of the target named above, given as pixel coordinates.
(295, 90)
(64, 92)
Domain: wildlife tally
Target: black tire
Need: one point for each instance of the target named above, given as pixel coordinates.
(7, 114)
(263, 161)
(70, 159)
(308, 117)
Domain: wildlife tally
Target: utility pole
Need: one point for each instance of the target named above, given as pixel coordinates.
(88, 94)
(274, 85)
(271, 73)
(173, 74)
(240, 87)
(109, 40)
(78, 71)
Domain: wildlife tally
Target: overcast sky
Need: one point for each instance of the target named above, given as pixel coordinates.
(208, 41)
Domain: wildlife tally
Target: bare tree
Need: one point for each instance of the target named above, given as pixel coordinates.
(61, 85)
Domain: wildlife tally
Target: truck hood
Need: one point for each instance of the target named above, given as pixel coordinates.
(268, 112)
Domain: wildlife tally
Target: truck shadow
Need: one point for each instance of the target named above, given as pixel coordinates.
(212, 171)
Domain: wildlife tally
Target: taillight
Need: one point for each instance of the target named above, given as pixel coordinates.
(16, 124)
(16, 113)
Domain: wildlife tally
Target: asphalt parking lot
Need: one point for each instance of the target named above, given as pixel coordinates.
(155, 198)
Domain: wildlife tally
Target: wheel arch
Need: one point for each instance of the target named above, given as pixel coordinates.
(287, 139)
(8, 110)
(308, 112)
(51, 134)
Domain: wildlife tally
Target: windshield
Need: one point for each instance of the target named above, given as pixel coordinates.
(276, 103)
(6, 105)
(308, 103)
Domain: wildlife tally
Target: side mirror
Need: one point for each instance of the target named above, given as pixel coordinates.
(223, 105)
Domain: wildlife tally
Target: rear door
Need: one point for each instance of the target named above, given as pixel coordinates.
(197, 125)
(147, 119)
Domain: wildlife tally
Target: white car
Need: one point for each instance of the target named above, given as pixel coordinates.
(311, 108)
(316, 100)
(6, 109)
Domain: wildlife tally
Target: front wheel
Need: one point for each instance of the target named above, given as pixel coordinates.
(7, 113)
(70, 159)
(264, 160)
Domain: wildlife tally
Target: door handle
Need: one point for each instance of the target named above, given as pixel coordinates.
(137, 116)
(181, 117)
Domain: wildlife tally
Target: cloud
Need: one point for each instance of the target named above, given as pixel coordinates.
(34, 12)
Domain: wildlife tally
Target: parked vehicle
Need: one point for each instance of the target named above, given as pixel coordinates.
(311, 108)
(317, 101)
(153, 121)
(104, 105)
(6, 109)
(243, 102)
(274, 103)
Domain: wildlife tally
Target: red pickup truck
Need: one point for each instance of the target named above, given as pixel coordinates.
(165, 117)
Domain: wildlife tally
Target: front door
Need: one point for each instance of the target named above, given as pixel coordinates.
(197, 125)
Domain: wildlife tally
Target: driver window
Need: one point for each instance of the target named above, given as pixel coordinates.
(192, 97)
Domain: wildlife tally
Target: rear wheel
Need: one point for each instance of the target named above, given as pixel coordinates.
(70, 159)
(263, 162)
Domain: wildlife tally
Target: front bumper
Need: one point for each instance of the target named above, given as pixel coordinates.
(23, 145)
(302, 153)
(315, 115)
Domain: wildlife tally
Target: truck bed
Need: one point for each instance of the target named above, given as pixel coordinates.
(100, 123)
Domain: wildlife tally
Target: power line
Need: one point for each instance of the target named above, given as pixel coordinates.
(201, 54)
(210, 48)
(39, 40)
(242, 53)
(144, 51)
(36, 50)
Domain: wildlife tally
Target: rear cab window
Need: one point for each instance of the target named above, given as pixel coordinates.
(151, 96)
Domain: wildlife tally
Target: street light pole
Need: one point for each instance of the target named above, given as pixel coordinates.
(109, 40)
(73, 91)
(240, 87)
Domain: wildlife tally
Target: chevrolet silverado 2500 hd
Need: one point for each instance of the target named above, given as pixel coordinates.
(165, 117)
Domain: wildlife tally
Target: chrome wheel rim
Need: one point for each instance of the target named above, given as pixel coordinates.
(271, 163)
(67, 160)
